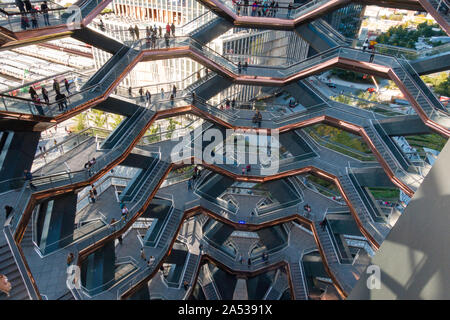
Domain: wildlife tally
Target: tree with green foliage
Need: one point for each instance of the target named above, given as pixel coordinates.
(367, 96)
(171, 127)
(98, 117)
(152, 134)
(393, 17)
(431, 141)
(350, 76)
(342, 99)
(404, 36)
(443, 88)
(440, 83)
(342, 137)
(391, 85)
(117, 119)
(80, 122)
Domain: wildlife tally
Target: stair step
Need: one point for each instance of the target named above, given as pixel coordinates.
(8, 268)
(4, 249)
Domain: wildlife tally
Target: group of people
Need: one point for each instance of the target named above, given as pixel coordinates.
(170, 29)
(150, 261)
(37, 101)
(92, 194)
(196, 174)
(228, 104)
(60, 98)
(257, 118)
(148, 95)
(42, 149)
(246, 169)
(134, 32)
(172, 95)
(265, 258)
(260, 8)
(25, 7)
(242, 66)
(369, 45)
(89, 164)
(153, 33)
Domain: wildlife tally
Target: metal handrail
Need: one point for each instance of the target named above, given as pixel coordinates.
(112, 282)
(21, 263)
(399, 167)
